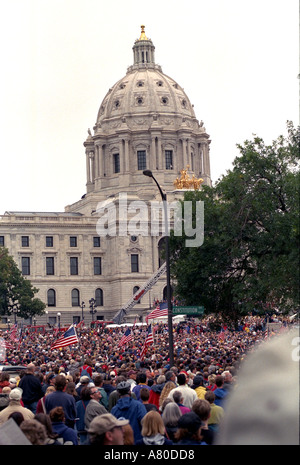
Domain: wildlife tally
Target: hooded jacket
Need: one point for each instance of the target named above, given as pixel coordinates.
(131, 410)
(220, 394)
(157, 440)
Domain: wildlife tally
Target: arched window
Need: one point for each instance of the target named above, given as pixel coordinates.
(135, 289)
(75, 298)
(51, 298)
(99, 297)
(165, 296)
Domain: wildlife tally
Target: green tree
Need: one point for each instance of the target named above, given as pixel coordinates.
(16, 291)
(250, 254)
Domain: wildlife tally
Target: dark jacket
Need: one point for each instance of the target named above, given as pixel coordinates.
(32, 389)
(68, 434)
(64, 400)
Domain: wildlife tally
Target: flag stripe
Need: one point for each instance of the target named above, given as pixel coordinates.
(68, 338)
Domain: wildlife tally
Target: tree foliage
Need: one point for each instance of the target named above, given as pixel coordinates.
(16, 291)
(250, 255)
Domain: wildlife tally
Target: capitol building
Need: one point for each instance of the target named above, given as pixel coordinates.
(145, 122)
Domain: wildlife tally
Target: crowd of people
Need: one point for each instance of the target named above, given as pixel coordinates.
(97, 392)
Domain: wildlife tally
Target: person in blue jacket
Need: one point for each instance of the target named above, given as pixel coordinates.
(130, 409)
(220, 392)
(57, 417)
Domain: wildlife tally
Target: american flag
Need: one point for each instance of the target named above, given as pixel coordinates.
(127, 337)
(160, 310)
(68, 338)
(148, 341)
(5, 344)
(13, 334)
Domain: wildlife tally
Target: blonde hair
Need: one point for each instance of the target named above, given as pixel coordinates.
(49, 390)
(165, 391)
(152, 424)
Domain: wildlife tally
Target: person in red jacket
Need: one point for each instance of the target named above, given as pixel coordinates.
(87, 368)
(156, 390)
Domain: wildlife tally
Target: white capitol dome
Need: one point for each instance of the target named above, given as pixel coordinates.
(145, 95)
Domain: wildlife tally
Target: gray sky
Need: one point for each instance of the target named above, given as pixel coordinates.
(237, 61)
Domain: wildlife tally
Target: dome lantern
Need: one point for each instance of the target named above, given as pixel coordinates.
(143, 51)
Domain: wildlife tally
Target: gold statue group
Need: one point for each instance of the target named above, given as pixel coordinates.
(187, 182)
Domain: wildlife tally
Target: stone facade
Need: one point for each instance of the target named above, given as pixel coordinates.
(145, 121)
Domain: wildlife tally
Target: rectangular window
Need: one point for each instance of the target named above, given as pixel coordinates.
(73, 241)
(1, 241)
(96, 241)
(49, 241)
(25, 241)
(116, 159)
(141, 159)
(97, 265)
(73, 265)
(169, 159)
(25, 266)
(134, 263)
(49, 265)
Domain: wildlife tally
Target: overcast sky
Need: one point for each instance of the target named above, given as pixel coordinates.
(237, 61)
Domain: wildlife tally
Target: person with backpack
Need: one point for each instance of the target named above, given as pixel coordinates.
(86, 369)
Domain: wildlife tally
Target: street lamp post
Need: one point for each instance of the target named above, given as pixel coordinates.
(58, 317)
(82, 307)
(93, 306)
(169, 300)
(15, 312)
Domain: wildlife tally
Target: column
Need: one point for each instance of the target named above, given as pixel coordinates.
(88, 171)
(152, 161)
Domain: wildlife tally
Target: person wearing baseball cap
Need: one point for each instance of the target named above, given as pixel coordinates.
(106, 430)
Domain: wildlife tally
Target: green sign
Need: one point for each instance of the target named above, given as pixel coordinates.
(188, 310)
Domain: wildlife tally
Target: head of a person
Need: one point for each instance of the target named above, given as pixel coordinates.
(17, 417)
(49, 390)
(152, 424)
(60, 382)
(210, 396)
(161, 379)
(189, 427)
(144, 394)
(211, 379)
(123, 388)
(202, 408)
(57, 415)
(128, 435)
(15, 394)
(219, 381)
(141, 378)
(170, 376)
(70, 388)
(106, 430)
(98, 380)
(4, 376)
(177, 397)
(30, 368)
(171, 414)
(84, 380)
(45, 420)
(181, 379)
(95, 394)
(198, 381)
(34, 431)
